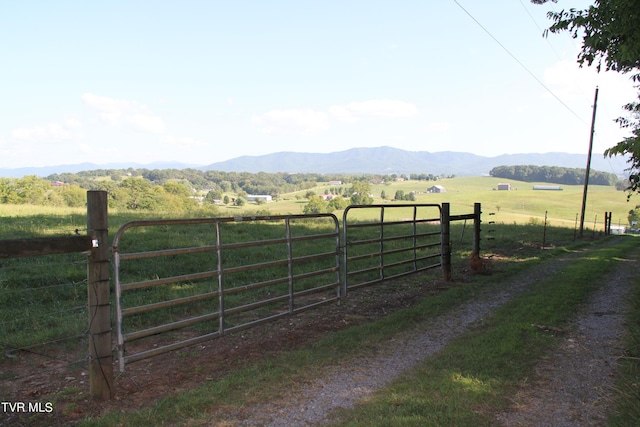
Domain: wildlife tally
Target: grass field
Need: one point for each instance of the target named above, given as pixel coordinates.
(516, 237)
(521, 205)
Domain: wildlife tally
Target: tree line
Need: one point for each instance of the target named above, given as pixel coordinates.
(180, 190)
(553, 174)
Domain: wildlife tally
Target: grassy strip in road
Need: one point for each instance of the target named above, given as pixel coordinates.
(627, 407)
(473, 378)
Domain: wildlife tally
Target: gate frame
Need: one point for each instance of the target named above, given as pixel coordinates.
(381, 224)
(220, 271)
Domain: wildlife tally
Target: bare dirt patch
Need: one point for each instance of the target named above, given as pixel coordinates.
(50, 378)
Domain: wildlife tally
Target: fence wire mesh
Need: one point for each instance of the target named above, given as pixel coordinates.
(43, 313)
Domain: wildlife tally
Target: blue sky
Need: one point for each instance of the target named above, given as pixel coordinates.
(206, 81)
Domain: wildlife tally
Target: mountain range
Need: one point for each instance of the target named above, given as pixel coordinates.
(377, 160)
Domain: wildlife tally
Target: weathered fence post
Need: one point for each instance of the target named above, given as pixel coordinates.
(607, 223)
(100, 363)
(477, 212)
(445, 224)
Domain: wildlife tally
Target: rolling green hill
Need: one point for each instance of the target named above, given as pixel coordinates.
(521, 205)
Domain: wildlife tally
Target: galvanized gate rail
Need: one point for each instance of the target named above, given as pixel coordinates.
(284, 275)
(423, 252)
(290, 288)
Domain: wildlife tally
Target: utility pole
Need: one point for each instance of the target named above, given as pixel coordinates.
(586, 175)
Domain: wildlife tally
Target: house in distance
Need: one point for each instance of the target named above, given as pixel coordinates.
(437, 189)
(547, 187)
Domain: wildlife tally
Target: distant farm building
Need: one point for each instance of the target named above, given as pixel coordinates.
(547, 187)
(504, 186)
(335, 182)
(618, 229)
(57, 184)
(259, 198)
(437, 189)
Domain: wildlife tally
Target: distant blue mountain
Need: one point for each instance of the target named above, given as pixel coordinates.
(378, 160)
(387, 160)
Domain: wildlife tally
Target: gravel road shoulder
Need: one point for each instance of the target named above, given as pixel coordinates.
(573, 386)
(586, 362)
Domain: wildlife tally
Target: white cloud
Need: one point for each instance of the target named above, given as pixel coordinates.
(123, 111)
(375, 108)
(297, 122)
(50, 132)
(146, 123)
(569, 82)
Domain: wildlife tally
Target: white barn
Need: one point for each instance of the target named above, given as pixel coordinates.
(259, 197)
(437, 189)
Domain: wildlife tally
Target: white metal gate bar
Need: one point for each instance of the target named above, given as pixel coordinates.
(297, 276)
(424, 250)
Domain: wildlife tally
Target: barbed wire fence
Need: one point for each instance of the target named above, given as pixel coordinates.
(43, 316)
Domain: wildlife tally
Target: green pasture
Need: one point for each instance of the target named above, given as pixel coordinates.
(43, 299)
(64, 276)
(521, 205)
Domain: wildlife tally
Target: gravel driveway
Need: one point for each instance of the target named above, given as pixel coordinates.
(570, 388)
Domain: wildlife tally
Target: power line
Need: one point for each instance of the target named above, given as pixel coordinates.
(519, 62)
(540, 29)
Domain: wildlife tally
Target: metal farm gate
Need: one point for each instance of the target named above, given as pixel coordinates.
(388, 241)
(180, 282)
(204, 277)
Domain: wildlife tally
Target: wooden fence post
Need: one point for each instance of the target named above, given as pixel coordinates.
(445, 223)
(100, 362)
(477, 212)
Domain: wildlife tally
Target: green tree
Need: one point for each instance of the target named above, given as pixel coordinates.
(399, 195)
(177, 189)
(360, 192)
(32, 190)
(610, 39)
(315, 205)
(337, 204)
(634, 215)
(74, 196)
(8, 191)
(139, 193)
(361, 199)
(213, 195)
